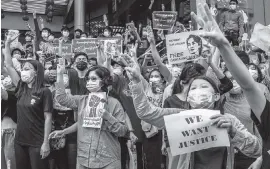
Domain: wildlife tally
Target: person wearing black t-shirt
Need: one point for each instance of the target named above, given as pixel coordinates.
(8, 122)
(34, 108)
(255, 97)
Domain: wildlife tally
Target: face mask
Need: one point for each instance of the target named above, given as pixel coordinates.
(17, 56)
(236, 88)
(83, 37)
(65, 34)
(93, 86)
(106, 33)
(26, 76)
(7, 82)
(81, 65)
(154, 80)
(78, 36)
(233, 7)
(176, 71)
(44, 34)
(254, 74)
(118, 71)
(200, 98)
(144, 33)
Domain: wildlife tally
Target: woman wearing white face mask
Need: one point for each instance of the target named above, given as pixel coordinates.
(203, 93)
(95, 149)
(266, 78)
(34, 108)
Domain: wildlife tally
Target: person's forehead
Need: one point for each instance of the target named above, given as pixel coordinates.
(27, 64)
(16, 52)
(198, 82)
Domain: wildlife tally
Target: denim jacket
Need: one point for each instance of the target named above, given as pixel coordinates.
(247, 143)
(96, 151)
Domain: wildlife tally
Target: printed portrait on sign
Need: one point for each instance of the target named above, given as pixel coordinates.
(194, 45)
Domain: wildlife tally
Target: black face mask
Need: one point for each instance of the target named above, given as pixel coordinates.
(81, 65)
(78, 36)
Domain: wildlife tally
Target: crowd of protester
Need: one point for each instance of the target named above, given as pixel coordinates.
(44, 102)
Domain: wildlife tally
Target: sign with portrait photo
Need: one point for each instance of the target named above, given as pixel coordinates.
(191, 131)
(112, 46)
(186, 46)
(92, 115)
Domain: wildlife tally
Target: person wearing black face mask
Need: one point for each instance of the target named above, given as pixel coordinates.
(81, 66)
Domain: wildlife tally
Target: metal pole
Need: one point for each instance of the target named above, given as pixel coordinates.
(79, 14)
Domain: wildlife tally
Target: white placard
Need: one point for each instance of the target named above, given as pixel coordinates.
(191, 131)
(186, 46)
(92, 117)
(261, 37)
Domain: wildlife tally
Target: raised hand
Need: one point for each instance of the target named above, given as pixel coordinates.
(11, 37)
(209, 25)
(61, 69)
(133, 71)
(41, 19)
(150, 35)
(34, 14)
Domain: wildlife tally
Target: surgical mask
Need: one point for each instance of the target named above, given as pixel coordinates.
(83, 37)
(144, 33)
(254, 74)
(176, 71)
(233, 7)
(106, 33)
(81, 65)
(93, 86)
(17, 56)
(44, 34)
(7, 82)
(118, 71)
(154, 80)
(65, 34)
(200, 98)
(26, 76)
(236, 88)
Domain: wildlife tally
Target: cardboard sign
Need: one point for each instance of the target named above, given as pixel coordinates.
(186, 46)
(261, 37)
(92, 117)
(191, 131)
(164, 20)
(66, 50)
(112, 46)
(87, 46)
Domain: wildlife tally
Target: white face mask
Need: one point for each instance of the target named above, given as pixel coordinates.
(82, 37)
(154, 80)
(106, 33)
(66, 80)
(118, 71)
(26, 76)
(236, 88)
(200, 98)
(233, 7)
(176, 71)
(254, 74)
(44, 34)
(17, 56)
(93, 87)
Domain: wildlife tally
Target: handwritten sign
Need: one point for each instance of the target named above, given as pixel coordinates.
(92, 117)
(191, 131)
(261, 37)
(66, 50)
(87, 46)
(186, 46)
(164, 20)
(112, 46)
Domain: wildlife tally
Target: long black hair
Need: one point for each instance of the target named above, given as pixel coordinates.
(38, 84)
(191, 70)
(260, 75)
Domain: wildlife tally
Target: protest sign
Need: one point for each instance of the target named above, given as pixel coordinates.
(185, 46)
(87, 46)
(66, 50)
(112, 46)
(164, 20)
(191, 131)
(261, 37)
(92, 117)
